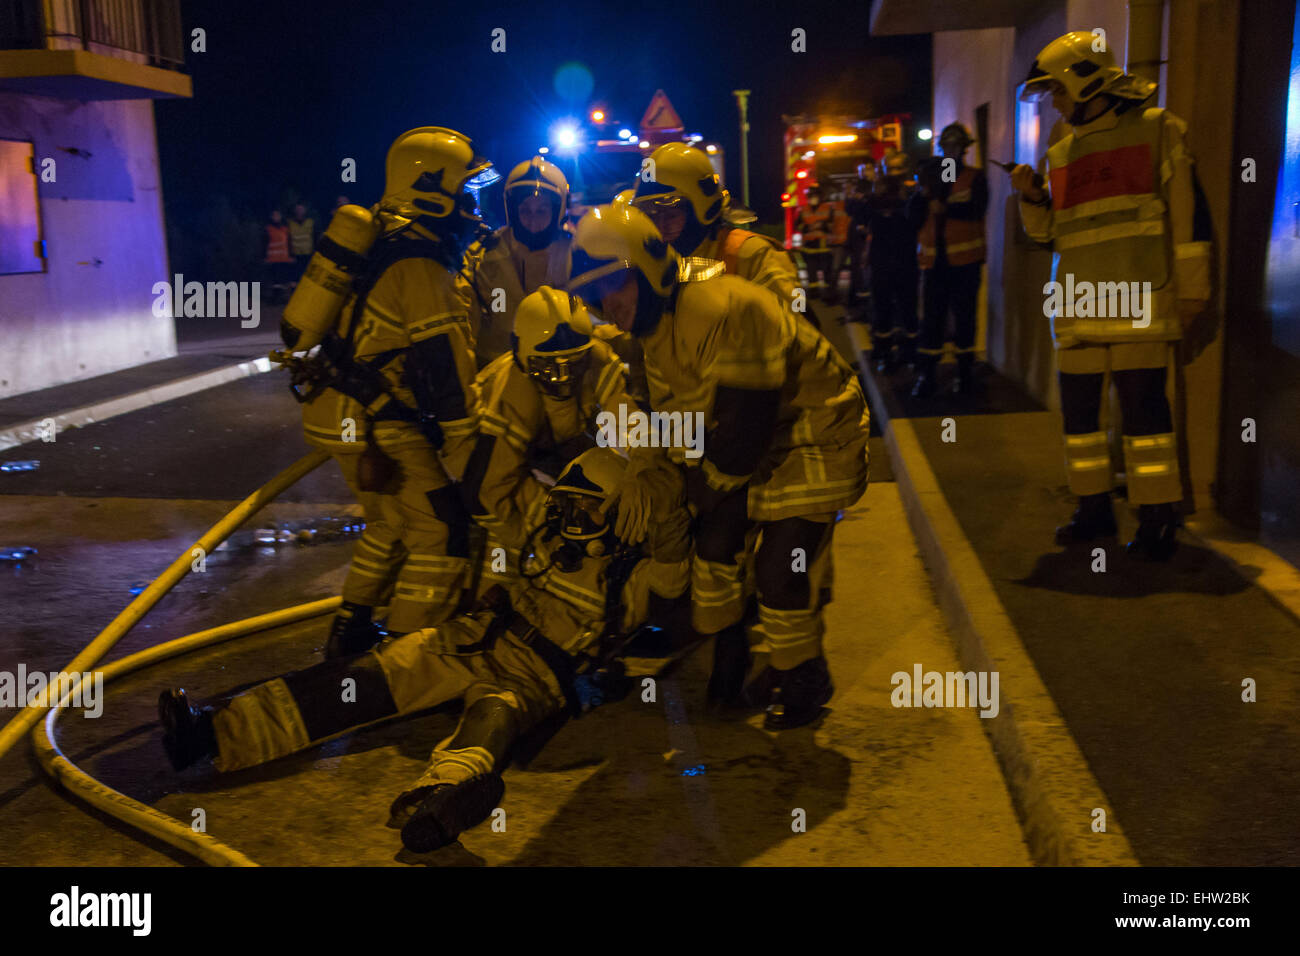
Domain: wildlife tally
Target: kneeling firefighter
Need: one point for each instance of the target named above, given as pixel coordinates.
(530, 251)
(389, 392)
(784, 448)
(538, 410)
(548, 649)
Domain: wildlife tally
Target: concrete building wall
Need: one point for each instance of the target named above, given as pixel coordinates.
(91, 311)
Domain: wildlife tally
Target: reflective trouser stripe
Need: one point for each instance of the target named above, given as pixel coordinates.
(258, 726)
(717, 595)
(1087, 459)
(1152, 465)
(455, 766)
(793, 636)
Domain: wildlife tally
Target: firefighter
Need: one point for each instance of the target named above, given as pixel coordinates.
(856, 208)
(813, 223)
(892, 258)
(538, 408)
(785, 448)
(530, 251)
(547, 649)
(397, 407)
(1120, 209)
(948, 212)
(682, 195)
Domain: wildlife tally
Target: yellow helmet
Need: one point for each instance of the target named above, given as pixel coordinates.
(582, 489)
(682, 173)
(624, 198)
(551, 339)
(1084, 71)
(610, 239)
(428, 170)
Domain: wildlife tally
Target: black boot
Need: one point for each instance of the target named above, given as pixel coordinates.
(964, 384)
(448, 810)
(882, 350)
(187, 731)
(798, 695)
(352, 632)
(730, 664)
(927, 376)
(1156, 538)
(1093, 518)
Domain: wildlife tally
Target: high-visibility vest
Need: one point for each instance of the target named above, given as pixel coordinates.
(300, 236)
(963, 238)
(815, 224)
(277, 243)
(1110, 222)
(839, 223)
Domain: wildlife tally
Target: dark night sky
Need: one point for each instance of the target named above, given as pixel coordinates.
(287, 89)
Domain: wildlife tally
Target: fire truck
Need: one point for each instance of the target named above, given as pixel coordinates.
(602, 156)
(827, 151)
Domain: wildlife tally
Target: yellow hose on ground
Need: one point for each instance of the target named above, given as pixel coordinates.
(206, 848)
(93, 652)
(139, 815)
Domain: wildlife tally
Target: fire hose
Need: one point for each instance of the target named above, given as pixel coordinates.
(69, 775)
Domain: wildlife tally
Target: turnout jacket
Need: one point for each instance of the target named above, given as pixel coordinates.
(1121, 208)
(569, 607)
(519, 425)
(783, 413)
(499, 262)
(414, 302)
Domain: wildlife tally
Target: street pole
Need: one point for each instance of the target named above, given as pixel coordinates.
(742, 101)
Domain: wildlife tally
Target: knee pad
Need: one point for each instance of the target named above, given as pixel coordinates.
(720, 534)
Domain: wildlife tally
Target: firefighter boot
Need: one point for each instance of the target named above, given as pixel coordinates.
(882, 350)
(352, 632)
(187, 731)
(1156, 538)
(964, 384)
(449, 809)
(927, 375)
(730, 664)
(798, 695)
(1093, 518)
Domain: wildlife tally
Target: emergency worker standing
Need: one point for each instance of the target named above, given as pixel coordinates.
(785, 447)
(393, 399)
(814, 227)
(530, 251)
(949, 216)
(1120, 207)
(892, 258)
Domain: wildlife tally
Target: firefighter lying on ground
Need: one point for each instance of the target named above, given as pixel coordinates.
(530, 251)
(537, 411)
(548, 649)
(785, 448)
(390, 392)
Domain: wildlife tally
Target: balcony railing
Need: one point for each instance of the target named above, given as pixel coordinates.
(148, 31)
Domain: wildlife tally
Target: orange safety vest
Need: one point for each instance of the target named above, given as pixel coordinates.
(963, 238)
(839, 223)
(277, 243)
(817, 223)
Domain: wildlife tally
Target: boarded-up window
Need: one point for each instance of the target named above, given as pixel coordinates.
(20, 224)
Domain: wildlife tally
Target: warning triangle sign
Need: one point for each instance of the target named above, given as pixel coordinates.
(660, 113)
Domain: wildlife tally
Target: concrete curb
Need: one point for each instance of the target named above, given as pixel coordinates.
(1050, 783)
(31, 431)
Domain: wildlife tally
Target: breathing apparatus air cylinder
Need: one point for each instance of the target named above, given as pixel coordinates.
(339, 258)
